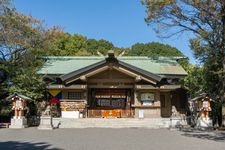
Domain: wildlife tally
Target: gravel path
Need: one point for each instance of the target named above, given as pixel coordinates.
(110, 139)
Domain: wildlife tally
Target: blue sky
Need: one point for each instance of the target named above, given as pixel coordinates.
(118, 21)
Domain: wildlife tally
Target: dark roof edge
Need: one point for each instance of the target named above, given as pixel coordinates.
(75, 73)
(145, 73)
(82, 70)
(19, 95)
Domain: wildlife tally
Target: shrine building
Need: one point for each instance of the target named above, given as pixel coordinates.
(115, 87)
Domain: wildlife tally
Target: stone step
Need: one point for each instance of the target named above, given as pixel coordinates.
(113, 123)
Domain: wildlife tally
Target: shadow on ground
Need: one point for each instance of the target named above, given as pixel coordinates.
(16, 145)
(218, 136)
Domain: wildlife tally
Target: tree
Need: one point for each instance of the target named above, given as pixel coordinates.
(20, 37)
(194, 81)
(18, 32)
(206, 20)
(59, 43)
(53, 43)
(73, 44)
(153, 49)
(94, 46)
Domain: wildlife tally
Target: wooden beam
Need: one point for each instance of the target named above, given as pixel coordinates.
(96, 71)
(136, 76)
(105, 80)
(146, 87)
(60, 86)
(88, 74)
(112, 86)
(170, 87)
(129, 73)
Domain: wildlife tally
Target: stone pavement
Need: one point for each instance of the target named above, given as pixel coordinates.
(110, 139)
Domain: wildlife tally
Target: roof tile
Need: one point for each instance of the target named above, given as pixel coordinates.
(159, 65)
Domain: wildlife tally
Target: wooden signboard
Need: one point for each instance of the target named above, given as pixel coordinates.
(72, 106)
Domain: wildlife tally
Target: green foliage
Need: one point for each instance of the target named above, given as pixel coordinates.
(74, 44)
(59, 43)
(53, 42)
(102, 46)
(153, 49)
(195, 81)
(20, 36)
(27, 82)
(5, 111)
(18, 32)
(206, 19)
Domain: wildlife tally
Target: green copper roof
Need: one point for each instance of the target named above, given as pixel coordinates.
(64, 65)
(159, 65)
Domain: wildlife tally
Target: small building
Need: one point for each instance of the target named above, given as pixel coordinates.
(115, 87)
(201, 105)
(19, 103)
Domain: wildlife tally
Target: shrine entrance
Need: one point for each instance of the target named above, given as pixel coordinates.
(110, 103)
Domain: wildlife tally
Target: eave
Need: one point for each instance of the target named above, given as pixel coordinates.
(110, 62)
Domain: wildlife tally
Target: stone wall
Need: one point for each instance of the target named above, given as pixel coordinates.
(148, 112)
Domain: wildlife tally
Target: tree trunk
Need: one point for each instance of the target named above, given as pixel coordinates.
(222, 93)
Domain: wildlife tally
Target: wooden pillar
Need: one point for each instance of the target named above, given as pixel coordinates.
(16, 113)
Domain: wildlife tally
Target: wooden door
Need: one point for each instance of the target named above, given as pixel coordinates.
(165, 104)
(110, 103)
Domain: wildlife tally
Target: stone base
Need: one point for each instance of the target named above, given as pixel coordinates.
(204, 123)
(70, 114)
(223, 123)
(45, 123)
(175, 123)
(18, 123)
